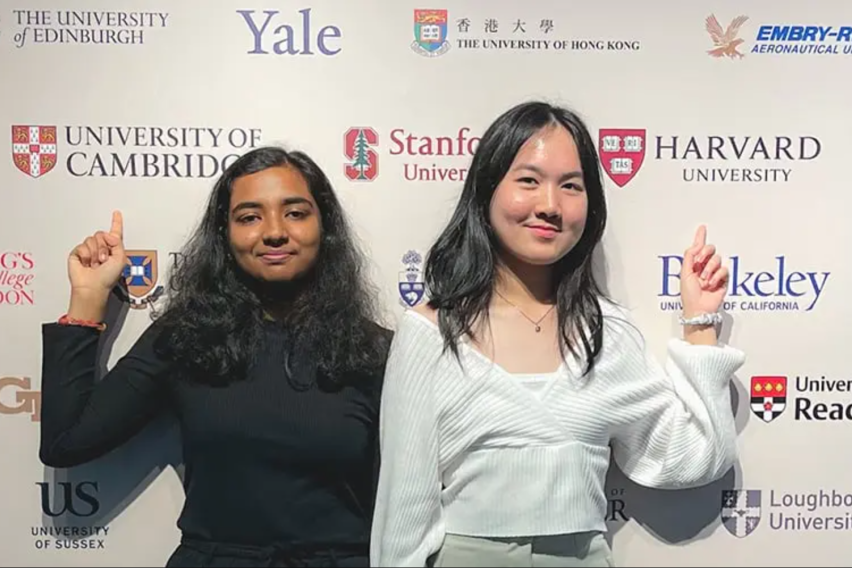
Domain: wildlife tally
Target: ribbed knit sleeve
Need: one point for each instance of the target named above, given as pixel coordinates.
(675, 426)
(407, 524)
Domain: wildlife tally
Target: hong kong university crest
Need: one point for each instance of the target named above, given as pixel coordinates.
(430, 32)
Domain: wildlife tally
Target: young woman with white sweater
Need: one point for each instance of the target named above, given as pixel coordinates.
(505, 396)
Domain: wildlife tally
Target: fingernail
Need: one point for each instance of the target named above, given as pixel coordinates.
(103, 256)
(704, 275)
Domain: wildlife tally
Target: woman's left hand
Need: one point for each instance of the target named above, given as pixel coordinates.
(703, 279)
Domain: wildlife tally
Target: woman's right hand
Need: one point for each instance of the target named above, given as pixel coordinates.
(94, 268)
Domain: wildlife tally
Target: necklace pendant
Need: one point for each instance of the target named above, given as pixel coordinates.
(537, 328)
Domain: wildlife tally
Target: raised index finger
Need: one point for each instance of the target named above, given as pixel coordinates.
(117, 228)
(700, 237)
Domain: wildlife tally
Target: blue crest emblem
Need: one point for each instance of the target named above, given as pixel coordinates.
(411, 284)
(430, 32)
(140, 278)
(740, 511)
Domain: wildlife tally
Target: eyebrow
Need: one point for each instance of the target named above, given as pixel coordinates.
(539, 171)
(255, 205)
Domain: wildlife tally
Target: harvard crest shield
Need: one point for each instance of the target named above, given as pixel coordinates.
(622, 153)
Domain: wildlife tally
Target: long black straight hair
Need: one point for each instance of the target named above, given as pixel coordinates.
(461, 267)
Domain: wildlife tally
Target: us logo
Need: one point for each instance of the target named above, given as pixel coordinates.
(622, 152)
(140, 278)
(768, 397)
(411, 283)
(430, 33)
(34, 149)
(740, 511)
(359, 148)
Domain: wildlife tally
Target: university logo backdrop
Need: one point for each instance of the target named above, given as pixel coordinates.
(733, 114)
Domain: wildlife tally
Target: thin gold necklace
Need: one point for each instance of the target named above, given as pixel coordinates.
(537, 324)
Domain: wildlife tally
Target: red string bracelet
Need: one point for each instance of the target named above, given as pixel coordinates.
(65, 320)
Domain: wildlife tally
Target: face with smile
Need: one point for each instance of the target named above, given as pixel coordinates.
(274, 226)
(538, 211)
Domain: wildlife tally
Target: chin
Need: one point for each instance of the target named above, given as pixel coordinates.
(541, 257)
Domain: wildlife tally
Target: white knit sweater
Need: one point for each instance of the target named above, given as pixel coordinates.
(471, 451)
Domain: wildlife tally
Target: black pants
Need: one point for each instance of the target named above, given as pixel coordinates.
(192, 552)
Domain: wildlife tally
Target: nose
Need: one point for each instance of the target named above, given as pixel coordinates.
(274, 231)
(548, 204)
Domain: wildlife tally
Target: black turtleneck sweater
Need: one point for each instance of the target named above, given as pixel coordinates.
(267, 463)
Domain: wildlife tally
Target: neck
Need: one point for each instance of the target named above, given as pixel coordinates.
(278, 298)
(523, 283)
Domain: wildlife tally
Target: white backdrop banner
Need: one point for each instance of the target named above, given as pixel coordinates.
(733, 114)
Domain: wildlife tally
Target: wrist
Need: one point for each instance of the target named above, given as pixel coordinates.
(89, 305)
(699, 328)
(700, 335)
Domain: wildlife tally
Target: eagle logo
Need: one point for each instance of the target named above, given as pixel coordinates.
(726, 42)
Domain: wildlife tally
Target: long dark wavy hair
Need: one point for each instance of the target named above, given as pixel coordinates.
(214, 319)
(461, 266)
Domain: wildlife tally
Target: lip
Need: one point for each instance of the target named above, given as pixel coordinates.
(543, 231)
(276, 257)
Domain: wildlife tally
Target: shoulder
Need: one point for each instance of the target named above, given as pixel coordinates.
(618, 323)
(613, 313)
(427, 311)
(621, 333)
(378, 330)
(417, 334)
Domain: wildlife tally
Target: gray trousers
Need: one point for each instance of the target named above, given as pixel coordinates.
(580, 549)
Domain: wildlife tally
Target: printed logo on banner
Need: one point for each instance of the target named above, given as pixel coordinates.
(491, 34)
(786, 38)
(18, 397)
(616, 506)
(430, 33)
(16, 279)
(817, 510)
(98, 28)
(741, 511)
(71, 502)
(714, 158)
(411, 282)
(113, 151)
(768, 396)
(425, 156)
(358, 147)
(822, 399)
(779, 286)
(34, 149)
(286, 39)
(725, 42)
(140, 276)
(622, 152)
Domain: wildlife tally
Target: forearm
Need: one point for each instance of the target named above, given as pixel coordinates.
(83, 418)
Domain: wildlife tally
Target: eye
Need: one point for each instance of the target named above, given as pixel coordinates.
(247, 218)
(528, 181)
(297, 214)
(573, 187)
